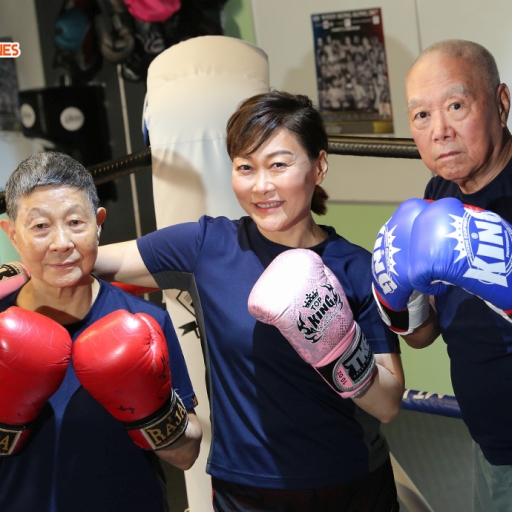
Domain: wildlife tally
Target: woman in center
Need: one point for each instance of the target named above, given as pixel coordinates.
(282, 438)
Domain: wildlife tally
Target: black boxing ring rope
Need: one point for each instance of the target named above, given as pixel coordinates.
(373, 146)
(338, 145)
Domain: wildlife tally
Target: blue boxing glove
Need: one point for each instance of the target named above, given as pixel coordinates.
(460, 245)
(401, 307)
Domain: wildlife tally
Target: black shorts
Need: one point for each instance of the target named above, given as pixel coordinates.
(375, 492)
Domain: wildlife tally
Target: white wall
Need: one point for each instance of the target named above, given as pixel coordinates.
(18, 21)
(283, 30)
(486, 22)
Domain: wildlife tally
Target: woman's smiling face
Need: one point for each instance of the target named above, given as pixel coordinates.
(275, 184)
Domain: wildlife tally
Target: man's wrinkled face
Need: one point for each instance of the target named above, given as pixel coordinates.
(454, 118)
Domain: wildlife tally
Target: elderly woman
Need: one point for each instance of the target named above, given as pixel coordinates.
(78, 362)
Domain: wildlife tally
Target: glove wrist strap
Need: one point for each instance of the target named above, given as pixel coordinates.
(162, 428)
(12, 437)
(408, 319)
(351, 374)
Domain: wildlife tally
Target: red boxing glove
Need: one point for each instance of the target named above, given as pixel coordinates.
(300, 296)
(34, 356)
(123, 362)
(13, 276)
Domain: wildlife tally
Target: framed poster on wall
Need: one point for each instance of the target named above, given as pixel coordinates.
(351, 70)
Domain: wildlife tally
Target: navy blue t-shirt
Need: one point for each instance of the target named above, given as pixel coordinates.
(275, 422)
(81, 459)
(478, 339)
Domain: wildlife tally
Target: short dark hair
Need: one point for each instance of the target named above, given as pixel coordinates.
(50, 168)
(259, 117)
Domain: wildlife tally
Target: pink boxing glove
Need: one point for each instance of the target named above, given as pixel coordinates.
(300, 296)
(13, 276)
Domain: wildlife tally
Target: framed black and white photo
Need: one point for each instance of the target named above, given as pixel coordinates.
(352, 74)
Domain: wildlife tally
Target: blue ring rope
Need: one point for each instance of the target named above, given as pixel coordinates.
(432, 403)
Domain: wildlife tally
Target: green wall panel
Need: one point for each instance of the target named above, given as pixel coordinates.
(7, 251)
(238, 20)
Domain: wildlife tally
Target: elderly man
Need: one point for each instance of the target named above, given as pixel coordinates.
(87, 402)
(458, 112)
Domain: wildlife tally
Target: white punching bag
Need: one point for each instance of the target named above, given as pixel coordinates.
(192, 90)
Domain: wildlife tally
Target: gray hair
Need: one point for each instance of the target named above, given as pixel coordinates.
(51, 169)
(478, 56)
